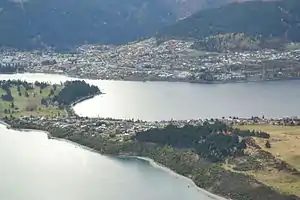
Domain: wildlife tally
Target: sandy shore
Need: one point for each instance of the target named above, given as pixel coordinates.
(164, 168)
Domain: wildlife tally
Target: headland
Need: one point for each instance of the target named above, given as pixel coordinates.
(229, 161)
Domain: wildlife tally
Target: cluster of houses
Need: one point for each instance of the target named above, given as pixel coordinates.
(173, 60)
(121, 128)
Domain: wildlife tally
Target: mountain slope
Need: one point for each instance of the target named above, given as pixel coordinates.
(33, 23)
(185, 8)
(255, 19)
(69, 22)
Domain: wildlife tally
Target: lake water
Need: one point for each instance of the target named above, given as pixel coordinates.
(36, 168)
(164, 101)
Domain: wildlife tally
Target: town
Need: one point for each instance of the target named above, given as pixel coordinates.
(146, 60)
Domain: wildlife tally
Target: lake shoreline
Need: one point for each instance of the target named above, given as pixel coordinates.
(151, 161)
(85, 98)
(142, 79)
(183, 101)
(70, 108)
(168, 170)
(163, 158)
(91, 145)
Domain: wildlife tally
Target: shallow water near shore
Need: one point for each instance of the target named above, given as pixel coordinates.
(34, 168)
(156, 101)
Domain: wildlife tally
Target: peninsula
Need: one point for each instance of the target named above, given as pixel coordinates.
(20, 98)
(222, 156)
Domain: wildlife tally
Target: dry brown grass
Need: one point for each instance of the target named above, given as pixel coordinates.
(285, 142)
(279, 180)
(285, 145)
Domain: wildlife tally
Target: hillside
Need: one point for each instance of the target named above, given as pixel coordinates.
(255, 19)
(185, 8)
(72, 22)
(39, 23)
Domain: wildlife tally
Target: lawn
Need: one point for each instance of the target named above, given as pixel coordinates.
(29, 105)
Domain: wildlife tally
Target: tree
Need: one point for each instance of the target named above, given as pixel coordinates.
(74, 90)
(51, 92)
(210, 140)
(44, 102)
(268, 144)
(243, 144)
(12, 105)
(7, 97)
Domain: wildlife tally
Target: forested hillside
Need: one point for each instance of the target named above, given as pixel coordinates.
(39, 23)
(256, 19)
(65, 23)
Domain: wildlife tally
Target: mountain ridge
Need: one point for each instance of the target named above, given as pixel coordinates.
(30, 24)
(39, 23)
(255, 19)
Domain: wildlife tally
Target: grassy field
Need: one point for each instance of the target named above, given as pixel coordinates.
(31, 105)
(285, 142)
(285, 145)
